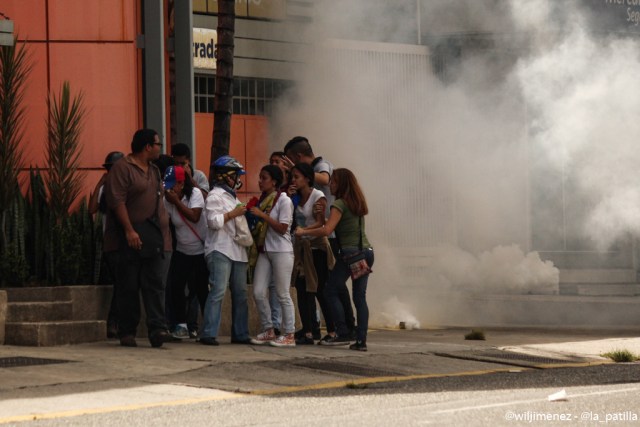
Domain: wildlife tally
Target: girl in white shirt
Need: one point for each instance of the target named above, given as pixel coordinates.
(275, 258)
(184, 204)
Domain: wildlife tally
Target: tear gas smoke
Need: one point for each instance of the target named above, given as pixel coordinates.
(465, 159)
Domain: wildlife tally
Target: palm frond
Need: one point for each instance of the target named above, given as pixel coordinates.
(66, 120)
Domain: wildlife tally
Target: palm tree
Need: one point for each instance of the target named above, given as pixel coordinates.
(66, 119)
(14, 69)
(224, 80)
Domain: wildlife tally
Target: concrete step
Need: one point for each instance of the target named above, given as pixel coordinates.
(39, 311)
(600, 289)
(60, 293)
(597, 276)
(42, 334)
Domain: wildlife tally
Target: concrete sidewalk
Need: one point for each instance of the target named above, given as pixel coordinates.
(91, 376)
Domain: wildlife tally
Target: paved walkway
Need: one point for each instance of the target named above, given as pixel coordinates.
(97, 376)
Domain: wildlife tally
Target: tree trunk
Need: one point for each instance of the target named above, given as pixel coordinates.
(223, 100)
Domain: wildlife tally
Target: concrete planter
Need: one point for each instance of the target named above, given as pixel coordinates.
(3, 315)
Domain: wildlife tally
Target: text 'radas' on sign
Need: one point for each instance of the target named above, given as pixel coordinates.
(204, 48)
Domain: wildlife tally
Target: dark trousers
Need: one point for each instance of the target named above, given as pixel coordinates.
(343, 293)
(111, 262)
(187, 271)
(338, 281)
(307, 300)
(135, 277)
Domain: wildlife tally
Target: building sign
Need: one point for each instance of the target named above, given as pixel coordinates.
(615, 15)
(204, 48)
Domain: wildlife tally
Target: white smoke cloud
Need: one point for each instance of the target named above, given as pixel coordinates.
(452, 163)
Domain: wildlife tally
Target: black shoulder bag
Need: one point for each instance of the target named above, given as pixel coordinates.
(356, 262)
(150, 234)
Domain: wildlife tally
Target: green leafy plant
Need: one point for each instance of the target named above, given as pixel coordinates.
(66, 119)
(621, 356)
(14, 70)
(475, 334)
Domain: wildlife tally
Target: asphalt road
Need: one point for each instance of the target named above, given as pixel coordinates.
(606, 394)
(428, 377)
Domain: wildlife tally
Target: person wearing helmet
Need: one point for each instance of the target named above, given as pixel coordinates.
(226, 259)
(97, 203)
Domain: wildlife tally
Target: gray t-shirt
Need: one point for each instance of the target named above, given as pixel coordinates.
(321, 165)
(201, 179)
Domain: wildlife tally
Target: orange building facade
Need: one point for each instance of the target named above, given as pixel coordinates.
(94, 44)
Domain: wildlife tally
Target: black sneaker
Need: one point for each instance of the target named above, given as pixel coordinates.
(304, 340)
(316, 334)
(325, 338)
(159, 337)
(193, 333)
(298, 334)
(335, 340)
(208, 341)
(358, 346)
(241, 341)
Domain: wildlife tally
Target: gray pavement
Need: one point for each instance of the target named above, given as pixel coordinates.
(102, 376)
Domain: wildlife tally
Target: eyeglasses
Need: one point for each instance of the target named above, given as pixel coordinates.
(157, 143)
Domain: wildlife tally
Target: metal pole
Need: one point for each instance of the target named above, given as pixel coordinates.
(418, 19)
(154, 81)
(185, 121)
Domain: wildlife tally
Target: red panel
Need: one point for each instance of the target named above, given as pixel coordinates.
(106, 20)
(256, 148)
(249, 144)
(203, 135)
(28, 16)
(35, 96)
(106, 74)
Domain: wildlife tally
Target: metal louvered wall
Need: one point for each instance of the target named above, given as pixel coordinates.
(409, 186)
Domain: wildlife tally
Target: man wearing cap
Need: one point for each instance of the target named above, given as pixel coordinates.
(134, 195)
(97, 203)
(226, 258)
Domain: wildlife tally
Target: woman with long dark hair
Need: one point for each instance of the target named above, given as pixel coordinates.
(313, 255)
(188, 266)
(275, 258)
(346, 218)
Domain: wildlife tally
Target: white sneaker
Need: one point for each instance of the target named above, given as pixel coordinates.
(263, 338)
(283, 341)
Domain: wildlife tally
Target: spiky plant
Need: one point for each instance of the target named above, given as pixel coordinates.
(66, 119)
(15, 66)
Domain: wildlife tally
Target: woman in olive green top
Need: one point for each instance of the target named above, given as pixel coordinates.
(347, 220)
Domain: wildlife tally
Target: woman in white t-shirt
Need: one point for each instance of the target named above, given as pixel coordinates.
(184, 204)
(313, 255)
(275, 257)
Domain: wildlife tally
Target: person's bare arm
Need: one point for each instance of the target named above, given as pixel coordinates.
(334, 218)
(94, 202)
(133, 239)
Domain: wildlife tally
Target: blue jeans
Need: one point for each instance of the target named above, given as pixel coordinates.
(337, 284)
(222, 272)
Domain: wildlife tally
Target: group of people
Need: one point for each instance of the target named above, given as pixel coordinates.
(164, 226)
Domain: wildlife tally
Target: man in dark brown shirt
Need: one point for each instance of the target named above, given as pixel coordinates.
(134, 194)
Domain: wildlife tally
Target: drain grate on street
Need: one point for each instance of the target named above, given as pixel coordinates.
(15, 362)
(346, 368)
(508, 358)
